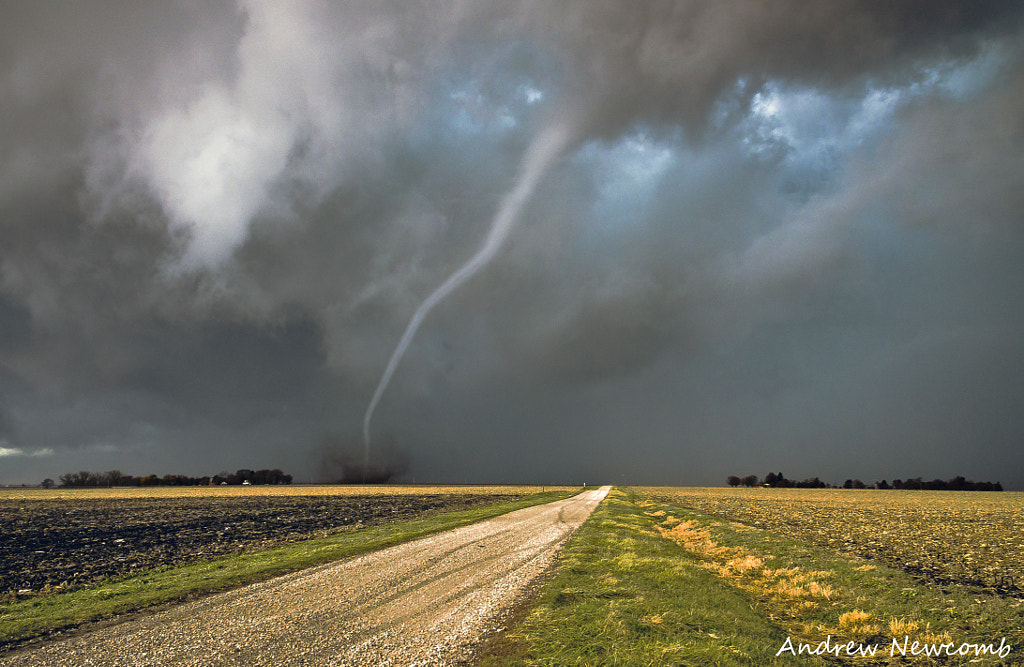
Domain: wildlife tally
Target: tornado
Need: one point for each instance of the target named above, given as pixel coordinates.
(541, 154)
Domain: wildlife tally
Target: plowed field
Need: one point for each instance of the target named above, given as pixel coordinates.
(51, 542)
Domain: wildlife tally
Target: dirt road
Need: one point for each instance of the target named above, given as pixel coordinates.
(422, 603)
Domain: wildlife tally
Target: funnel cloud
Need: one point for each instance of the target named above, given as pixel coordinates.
(623, 242)
(544, 149)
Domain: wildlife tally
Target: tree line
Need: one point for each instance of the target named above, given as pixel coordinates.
(778, 480)
(84, 478)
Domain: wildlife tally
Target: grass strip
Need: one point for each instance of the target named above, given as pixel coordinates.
(624, 595)
(27, 619)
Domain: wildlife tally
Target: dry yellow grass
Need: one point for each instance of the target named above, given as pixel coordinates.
(791, 586)
(274, 490)
(855, 623)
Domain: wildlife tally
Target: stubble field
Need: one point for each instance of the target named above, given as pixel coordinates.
(946, 537)
(53, 540)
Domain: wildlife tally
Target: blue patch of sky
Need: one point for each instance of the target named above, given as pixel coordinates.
(799, 138)
(494, 90)
(808, 133)
(473, 108)
(625, 174)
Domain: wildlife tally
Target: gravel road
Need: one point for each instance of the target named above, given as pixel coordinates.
(426, 602)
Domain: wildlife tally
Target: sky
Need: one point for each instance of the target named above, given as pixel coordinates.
(681, 241)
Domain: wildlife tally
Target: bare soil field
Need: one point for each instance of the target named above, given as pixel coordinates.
(53, 540)
(959, 537)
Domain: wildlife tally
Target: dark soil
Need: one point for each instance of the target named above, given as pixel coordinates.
(50, 545)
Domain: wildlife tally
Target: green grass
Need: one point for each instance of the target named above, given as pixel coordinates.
(624, 595)
(32, 618)
(653, 583)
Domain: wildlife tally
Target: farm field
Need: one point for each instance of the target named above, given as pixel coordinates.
(53, 540)
(505, 490)
(970, 538)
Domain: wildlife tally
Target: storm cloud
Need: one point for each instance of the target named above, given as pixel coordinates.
(779, 236)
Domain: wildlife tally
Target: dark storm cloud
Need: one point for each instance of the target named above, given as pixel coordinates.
(670, 62)
(783, 233)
